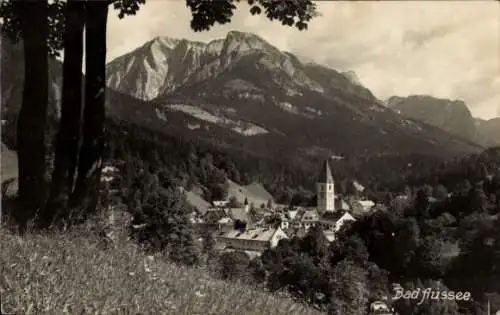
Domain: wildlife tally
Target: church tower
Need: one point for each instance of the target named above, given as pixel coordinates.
(325, 190)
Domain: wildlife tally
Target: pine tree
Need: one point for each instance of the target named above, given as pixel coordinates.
(167, 226)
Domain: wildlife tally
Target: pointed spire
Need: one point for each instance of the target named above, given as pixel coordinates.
(326, 174)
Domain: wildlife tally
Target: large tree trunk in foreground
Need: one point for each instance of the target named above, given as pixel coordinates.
(32, 117)
(68, 139)
(85, 197)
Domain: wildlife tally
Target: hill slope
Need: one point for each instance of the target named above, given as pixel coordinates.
(120, 279)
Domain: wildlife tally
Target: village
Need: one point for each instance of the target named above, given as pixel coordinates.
(241, 224)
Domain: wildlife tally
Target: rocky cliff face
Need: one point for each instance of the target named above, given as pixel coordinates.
(164, 65)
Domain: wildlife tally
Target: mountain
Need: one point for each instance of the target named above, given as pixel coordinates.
(242, 94)
(248, 93)
(450, 115)
(353, 77)
(489, 129)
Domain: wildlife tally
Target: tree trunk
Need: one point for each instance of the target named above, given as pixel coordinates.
(85, 197)
(32, 117)
(68, 139)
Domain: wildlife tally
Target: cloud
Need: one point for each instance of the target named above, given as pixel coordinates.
(443, 48)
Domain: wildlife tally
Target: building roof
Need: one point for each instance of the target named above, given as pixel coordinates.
(220, 203)
(330, 236)
(358, 186)
(341, 204)
(225, 220)
(325, 176)
(255, 234)
(306, 215)
(292, 214)
(334, 216)
(366, 204)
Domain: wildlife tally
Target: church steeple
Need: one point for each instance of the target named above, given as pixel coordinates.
(325, 189)
(325, 176)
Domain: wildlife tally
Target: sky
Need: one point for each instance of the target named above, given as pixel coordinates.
(447, 49)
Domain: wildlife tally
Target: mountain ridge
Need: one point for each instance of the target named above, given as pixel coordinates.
(453, 116)
(255, 98)
(205, 59)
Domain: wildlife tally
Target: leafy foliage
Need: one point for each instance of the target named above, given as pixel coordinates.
(12, 29)
(233, 265)
(290, 12)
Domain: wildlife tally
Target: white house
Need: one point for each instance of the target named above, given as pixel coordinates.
(220, 203)
(332, 222)
(358, 186)
(367, 205)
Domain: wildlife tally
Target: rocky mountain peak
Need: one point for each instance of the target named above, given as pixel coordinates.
(353, 77)
(165, 41)
(241, 42)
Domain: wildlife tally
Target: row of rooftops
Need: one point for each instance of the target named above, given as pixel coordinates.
(254, 233)
(227, 215)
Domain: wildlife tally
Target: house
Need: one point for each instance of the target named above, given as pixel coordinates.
(285, 223)
(276, 219)
(305, 218)
(334, 221)
(196, 218)
(256, 239)
(366, 205)
(360, 188)
(292, 214)
(220, 203)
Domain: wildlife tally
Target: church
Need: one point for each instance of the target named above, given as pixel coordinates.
(330, 213)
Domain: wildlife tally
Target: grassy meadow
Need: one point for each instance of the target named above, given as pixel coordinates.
(75, 273)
